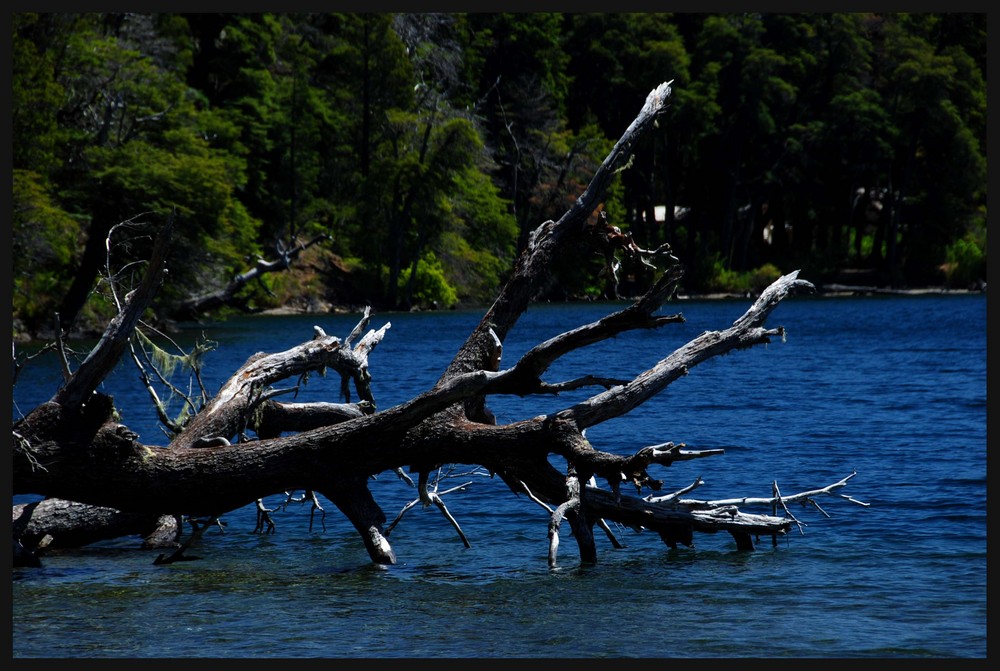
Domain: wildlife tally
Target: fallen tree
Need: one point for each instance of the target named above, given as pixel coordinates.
(286, 255)
(243, 444)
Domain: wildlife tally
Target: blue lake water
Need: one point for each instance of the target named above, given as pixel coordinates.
(893, 388)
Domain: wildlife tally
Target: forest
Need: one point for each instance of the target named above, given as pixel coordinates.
(402, 160)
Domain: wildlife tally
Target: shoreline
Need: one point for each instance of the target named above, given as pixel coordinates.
(849, 290)
(822, 291)
(323, 308)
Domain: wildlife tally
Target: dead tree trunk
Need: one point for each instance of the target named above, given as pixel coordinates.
(71, 448)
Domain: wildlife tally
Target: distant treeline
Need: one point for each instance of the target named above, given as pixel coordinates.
(427, 146)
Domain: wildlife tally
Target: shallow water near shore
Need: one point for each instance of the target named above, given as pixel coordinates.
(892, 388)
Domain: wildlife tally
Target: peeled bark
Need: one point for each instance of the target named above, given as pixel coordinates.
(72, 448)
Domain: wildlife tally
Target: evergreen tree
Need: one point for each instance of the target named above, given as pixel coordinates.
(937, 98)
(132, 139)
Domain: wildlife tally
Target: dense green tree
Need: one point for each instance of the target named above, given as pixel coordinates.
(439, 167)
(936, 94)
(132, 139)
(45, 238)
(836, 141)
(45, 242)
(371, 79)
(606, 51)
(522, 84)
(753, 86)
(262, 72)
(36, 93)
(801, 113)
(850, 129)
(477, 246)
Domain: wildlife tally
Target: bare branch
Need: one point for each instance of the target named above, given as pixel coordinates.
(106, 354)
(286, 257)
(746, 331)
(534, 263)
(361, 326)
(803, 497)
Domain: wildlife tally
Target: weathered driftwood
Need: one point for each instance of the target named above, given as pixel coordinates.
(285, 257)
(232, 409)
(72, 448)
(56, 523)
